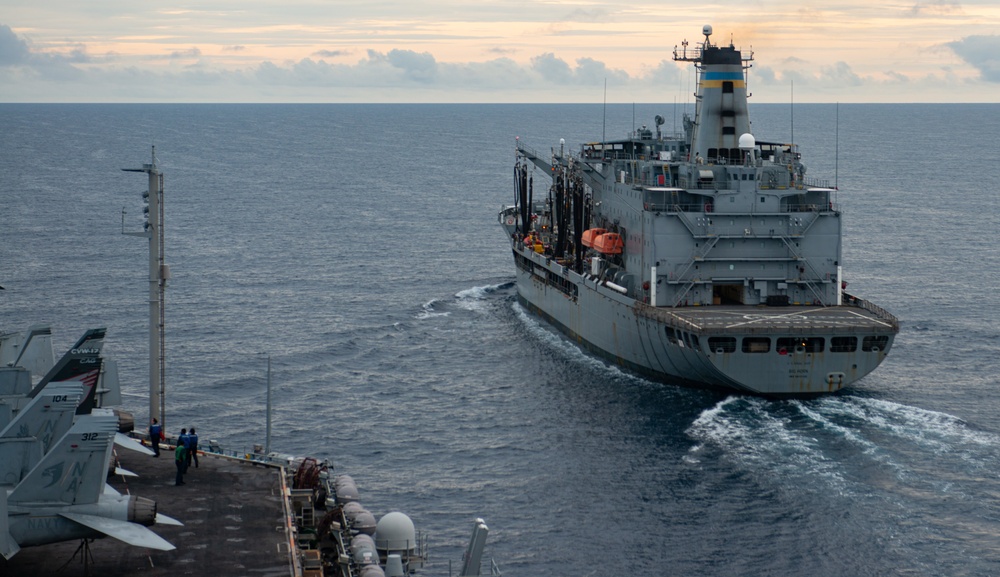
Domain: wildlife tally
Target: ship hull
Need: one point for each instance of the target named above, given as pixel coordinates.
(708, 347)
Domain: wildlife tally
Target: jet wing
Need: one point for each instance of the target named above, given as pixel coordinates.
(130, 533)
(123, 440)
(162, 519)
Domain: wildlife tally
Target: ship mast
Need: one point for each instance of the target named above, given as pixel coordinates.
(159, 273)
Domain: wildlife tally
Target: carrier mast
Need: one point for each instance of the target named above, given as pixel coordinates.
(159, 273)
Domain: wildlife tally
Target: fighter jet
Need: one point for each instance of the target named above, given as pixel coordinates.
(64, 497)
(82, 364)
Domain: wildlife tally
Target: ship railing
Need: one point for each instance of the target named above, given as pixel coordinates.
(527, 150)
(692, 54)
(816, 183)
(709, 207)
(805, 208)
(872, 308)
(672, 207)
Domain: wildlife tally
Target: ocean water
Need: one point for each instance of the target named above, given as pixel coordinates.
(357, 246)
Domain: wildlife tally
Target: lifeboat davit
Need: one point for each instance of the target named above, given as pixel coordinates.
(609, 243)
(590, 235)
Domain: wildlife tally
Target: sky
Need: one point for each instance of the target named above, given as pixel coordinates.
(496, 51)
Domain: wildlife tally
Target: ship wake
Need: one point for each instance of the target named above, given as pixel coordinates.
(848, 445)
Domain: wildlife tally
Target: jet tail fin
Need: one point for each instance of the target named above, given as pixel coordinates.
(74, 471)
(48, 416)
(81, 363)
(32, 433)
(31, 349)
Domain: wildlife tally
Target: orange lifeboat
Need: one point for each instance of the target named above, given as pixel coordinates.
(589, 235)
(609, 243)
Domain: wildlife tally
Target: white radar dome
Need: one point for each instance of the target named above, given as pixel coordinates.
(747, 141)
(372, 571)
(395, 532)
(706, 30)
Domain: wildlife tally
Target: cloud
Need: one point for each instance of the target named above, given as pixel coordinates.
(583, 15)
(17, 52)
(419, 66)
(188, 53)
(71, 72)
(937, 7)
(552, 68)
(13, 50)
(666, 73)
(841, 74)
(981, 52)
(501, 51)
(764, 74)
(330, 53)
(588, 72)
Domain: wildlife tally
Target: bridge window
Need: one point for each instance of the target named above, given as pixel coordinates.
(874, 344)
(722, 344)
(801, 345)
(727, 87)
(843, 344)
(756, 344)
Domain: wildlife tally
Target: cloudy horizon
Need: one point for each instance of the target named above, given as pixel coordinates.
(384, 51)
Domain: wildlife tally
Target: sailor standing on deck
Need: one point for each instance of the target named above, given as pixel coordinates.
(155, 432)
(183, 440)
(192, 448)
(180, 454)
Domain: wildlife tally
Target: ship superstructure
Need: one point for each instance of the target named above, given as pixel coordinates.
(704, 258)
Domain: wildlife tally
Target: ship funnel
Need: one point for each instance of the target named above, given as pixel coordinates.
(721, 115)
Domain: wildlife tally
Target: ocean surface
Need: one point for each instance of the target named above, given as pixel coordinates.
(357, 246)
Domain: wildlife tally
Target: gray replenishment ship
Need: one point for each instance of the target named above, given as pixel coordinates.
(705, 258)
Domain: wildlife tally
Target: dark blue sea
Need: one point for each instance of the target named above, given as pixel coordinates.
(357, 246)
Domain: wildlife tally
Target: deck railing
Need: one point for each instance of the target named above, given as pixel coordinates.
(872, 308)
(710, 207)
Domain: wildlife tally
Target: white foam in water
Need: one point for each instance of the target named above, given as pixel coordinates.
(751, 434)
(933, 429)
(428, 311)
(854, 436)
(848, 433)
(474, 299)
(470, 299)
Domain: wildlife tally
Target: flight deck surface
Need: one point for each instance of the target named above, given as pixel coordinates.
(232, 513)
(790, 319)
